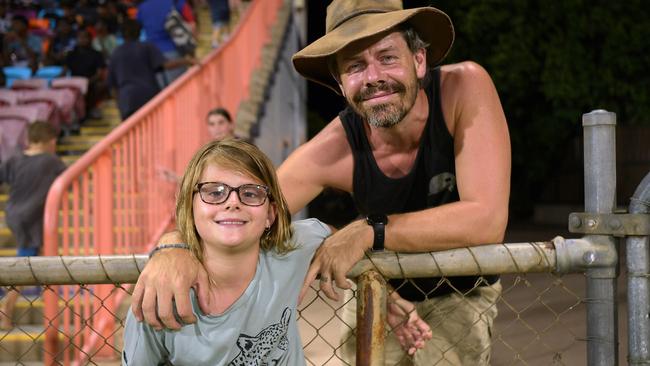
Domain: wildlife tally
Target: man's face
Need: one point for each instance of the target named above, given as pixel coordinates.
(83, 39)
(379, 78)
(219, 127)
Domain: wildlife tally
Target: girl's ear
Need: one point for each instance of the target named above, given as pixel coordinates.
(270, 217)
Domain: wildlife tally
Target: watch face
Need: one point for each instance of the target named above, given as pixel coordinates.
(377, 219)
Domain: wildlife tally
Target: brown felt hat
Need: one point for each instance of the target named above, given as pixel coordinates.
(352, 20)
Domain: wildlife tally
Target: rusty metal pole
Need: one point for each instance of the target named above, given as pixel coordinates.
(371, 319)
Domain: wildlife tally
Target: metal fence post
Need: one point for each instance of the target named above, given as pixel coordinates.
(638, 284)
(371, 319)
(600, 197)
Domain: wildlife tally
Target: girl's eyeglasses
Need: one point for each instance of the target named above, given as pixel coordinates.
(215, 193)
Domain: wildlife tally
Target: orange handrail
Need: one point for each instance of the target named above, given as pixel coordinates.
(113, 200)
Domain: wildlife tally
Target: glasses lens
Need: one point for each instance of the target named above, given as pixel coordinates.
(252, 195)
(214, 192)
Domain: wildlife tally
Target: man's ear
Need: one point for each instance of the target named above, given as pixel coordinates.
(420, 59)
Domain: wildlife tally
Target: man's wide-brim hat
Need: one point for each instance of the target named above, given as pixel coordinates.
(349, 21)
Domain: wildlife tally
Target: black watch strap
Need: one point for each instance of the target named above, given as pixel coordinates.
(378, 223)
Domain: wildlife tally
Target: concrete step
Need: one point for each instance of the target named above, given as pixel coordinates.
(29, 309)
(95, 130)
(80, 139)
(24, 344)
(74, 148)
(70, 159)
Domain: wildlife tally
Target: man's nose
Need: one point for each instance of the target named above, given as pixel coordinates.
(374, 74)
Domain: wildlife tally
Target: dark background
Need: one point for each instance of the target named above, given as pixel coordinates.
(551, 62)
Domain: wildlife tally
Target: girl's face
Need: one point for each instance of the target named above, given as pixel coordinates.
(231, 226)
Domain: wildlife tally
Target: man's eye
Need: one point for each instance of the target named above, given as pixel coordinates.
(388, 58)
(353, 67)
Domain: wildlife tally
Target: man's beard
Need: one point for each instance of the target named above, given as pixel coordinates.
(386, 114)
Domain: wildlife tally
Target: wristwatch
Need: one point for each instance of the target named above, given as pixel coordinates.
(378, 223)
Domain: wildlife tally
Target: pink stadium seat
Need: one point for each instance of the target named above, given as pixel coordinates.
(8, 97)
(79, 83)
(79, 86)
(29, 84)
(60, 101)
(13, 123)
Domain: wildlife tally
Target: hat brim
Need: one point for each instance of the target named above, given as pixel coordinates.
(432, 25)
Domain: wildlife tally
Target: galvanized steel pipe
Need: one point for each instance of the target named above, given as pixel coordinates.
(638, 284)
(600, 197)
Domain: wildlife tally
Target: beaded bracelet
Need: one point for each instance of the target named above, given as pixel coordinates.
(168, 246)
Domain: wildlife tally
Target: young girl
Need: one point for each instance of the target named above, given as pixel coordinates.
(231, 213)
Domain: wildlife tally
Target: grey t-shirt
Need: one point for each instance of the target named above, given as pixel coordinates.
(29, 178)
(259, 328)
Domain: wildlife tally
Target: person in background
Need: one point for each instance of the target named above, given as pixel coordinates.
(151, 15)
(29, 175)
(104, 41)
(110, 20)
(86, 13)
(21, 48)
(63, 42)
(220, 13)
(133, 67)
(220, 124)
(85, 61)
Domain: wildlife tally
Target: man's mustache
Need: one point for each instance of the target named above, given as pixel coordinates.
(370, 91)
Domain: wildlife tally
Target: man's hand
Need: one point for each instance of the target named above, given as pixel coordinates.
(411, 330)
(336, 256)
(168, 277)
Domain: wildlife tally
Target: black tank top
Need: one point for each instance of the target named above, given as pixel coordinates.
(431, 182)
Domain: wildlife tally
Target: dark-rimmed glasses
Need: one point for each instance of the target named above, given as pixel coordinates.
(215, 193)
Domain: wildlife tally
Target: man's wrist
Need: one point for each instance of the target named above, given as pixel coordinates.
(378, 223)
(168, 246)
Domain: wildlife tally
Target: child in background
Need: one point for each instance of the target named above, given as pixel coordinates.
(29, 175)
(220, 124)
(236, 223)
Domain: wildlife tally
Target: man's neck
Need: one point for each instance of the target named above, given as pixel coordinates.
(35, 149)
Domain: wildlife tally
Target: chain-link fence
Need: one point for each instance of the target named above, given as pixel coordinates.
(540, 317)
(533, 315)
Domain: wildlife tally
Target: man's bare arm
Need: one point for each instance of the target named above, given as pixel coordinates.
(167, 278)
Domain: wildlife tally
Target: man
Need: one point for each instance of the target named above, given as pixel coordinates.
(86, 61)
(152, 15)
(133, 67)
(428, 162)
(20, 47)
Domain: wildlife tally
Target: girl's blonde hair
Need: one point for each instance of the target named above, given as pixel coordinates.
(242, 157)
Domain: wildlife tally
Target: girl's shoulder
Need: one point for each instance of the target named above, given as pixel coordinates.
(309, 230)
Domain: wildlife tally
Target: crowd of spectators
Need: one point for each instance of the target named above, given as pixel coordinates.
(79, 37)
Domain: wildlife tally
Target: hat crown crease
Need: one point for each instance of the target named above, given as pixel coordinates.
(354, 15)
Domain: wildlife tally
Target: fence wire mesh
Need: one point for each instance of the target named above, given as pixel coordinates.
(540, 318)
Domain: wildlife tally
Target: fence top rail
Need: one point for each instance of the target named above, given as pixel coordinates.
(532, 257)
